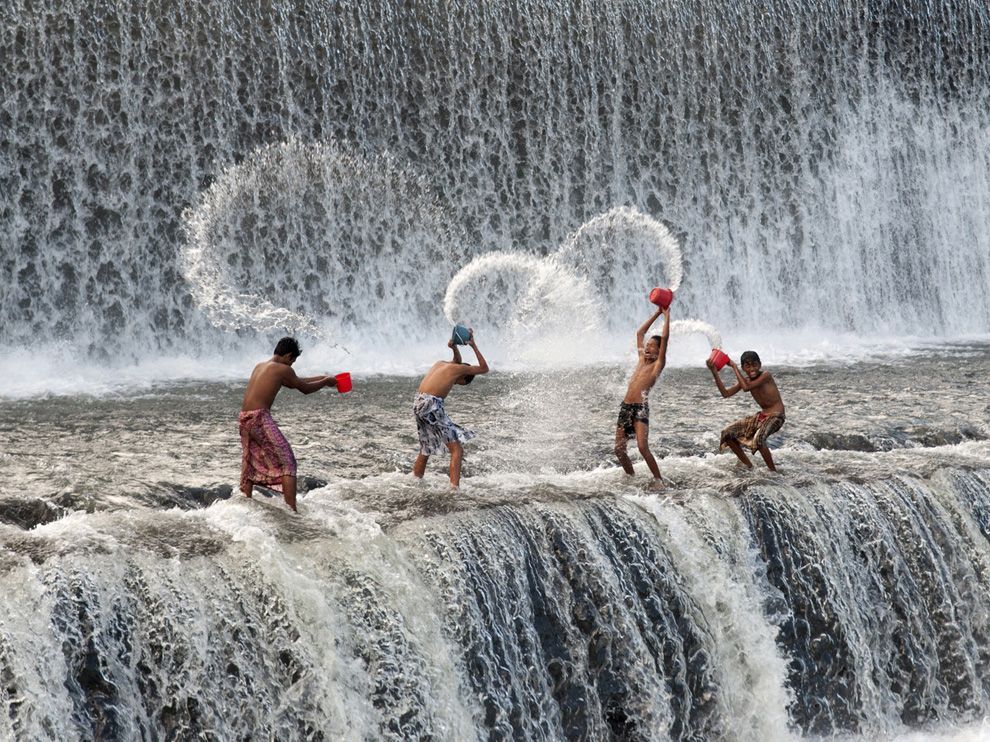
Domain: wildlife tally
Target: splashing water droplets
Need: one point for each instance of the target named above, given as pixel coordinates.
(530, 304)
(310, 237)
(619, 248)
(594, 284)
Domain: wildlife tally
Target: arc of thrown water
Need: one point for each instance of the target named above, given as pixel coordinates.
(691, 326)
(519, 264)
(543, 275)
(353, 228)
(210, 282)
(604, 229)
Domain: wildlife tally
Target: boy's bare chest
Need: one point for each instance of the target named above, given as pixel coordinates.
(766, 395)
(642, 376)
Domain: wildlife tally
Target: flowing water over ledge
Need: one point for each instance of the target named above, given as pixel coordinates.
(551, 598)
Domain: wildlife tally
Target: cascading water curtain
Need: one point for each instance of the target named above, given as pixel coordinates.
(824, 165)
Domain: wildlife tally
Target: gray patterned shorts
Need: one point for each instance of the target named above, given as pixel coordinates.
(434, 425)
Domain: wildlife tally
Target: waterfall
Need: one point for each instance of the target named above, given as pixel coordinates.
(852, 607)
(180, 183)
(822, 165)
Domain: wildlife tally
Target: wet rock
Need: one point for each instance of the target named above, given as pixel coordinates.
(188, 498)
(28, 513)
(311, 483)
(841, 442)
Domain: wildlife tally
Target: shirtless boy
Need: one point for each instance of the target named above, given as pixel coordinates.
(266, 457)
(634, 412)
(434, 426)
(752, 431)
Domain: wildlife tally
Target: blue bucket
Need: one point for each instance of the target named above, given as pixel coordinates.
(461, 335)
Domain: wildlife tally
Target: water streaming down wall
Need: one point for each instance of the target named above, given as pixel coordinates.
(354, 243)
(824, 164)
(717, 618)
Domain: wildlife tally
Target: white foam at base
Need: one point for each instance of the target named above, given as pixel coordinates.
(61, 370)
(978, 732)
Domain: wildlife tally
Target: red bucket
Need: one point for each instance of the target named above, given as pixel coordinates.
(662, 297)
(343, 382)
(718, 358)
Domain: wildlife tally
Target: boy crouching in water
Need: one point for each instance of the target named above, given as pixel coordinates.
(634, 412)
(752, 431)
(433, 424)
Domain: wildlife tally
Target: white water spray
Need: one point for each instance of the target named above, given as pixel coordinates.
(579, 296)
(310, 237)
(696, 326)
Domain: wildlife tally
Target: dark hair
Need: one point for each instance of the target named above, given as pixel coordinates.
(658, 338)
(468, 378)
(288, 346)
(749, 355)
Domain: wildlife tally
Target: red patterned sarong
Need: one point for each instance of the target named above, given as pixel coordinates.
(266, 456)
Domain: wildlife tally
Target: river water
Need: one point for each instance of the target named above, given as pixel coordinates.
(551, 597)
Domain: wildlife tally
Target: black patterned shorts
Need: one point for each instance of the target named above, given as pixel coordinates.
(633, 413)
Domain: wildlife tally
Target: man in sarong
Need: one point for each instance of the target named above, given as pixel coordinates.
(266, 457)
(433, 424)
(754, 430)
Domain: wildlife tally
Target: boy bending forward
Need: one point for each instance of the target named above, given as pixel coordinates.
(433, 424)
(634, 412)
(754, 430)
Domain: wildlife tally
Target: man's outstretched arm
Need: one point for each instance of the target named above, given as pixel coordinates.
(308, 384)
(457, 351)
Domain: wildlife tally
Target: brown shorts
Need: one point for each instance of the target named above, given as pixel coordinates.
(752, 431)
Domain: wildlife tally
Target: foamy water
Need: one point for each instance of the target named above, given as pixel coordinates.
(48, 370)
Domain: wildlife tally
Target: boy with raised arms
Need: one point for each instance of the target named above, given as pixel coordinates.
(433, 424)
(634, 412)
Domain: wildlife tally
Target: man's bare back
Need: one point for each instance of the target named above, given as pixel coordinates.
(265, 382)
(441, 377)
(270, 376)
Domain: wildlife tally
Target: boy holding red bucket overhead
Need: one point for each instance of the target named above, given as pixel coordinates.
(634, 412)
(751, 431)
